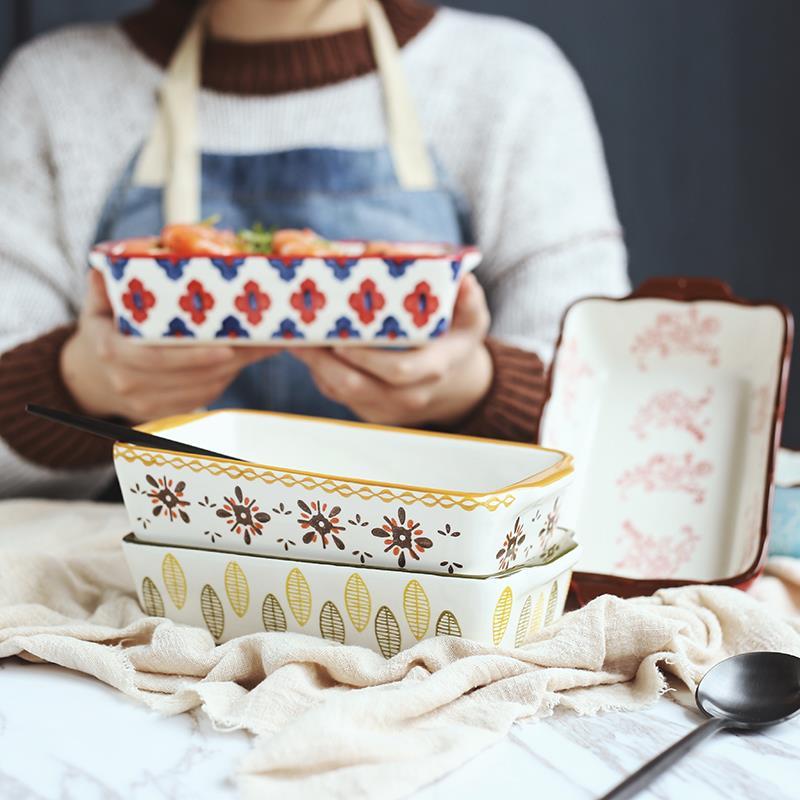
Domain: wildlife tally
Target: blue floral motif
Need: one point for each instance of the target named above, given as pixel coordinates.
(231, 329)
(391, 329)
(174, 269)
(126, 329)
(179, 329)
(117, 266)
(228, 267)
(344, 330)
(288, 330)
(398, 266)
(286, 269)
(441, 327)
(341, 267)
(455, 268)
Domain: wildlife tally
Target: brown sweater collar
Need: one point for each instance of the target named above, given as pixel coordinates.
(270, 67)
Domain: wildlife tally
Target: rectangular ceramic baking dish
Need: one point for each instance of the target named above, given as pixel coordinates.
(387, 610)
(671, 401)
(400, 301)
(317, 489)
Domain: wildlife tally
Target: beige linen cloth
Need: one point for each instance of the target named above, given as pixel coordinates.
(334, 721)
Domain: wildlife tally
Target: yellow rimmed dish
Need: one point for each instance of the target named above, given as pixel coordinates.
(387, 610)
(344, 492)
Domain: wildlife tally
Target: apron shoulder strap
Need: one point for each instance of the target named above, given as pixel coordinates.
(171, 154)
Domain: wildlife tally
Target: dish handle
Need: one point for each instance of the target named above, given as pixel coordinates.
(687, 289)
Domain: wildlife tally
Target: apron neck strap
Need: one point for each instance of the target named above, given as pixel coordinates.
(171, 155)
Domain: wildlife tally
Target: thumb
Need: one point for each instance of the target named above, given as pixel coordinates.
(96, 302)
(471, 313)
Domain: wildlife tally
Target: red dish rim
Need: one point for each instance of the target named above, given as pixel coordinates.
(452, 254)
(588, 585)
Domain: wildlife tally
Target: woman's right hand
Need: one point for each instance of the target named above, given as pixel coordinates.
(110, 375)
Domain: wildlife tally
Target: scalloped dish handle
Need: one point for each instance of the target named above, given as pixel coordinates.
(687, 289)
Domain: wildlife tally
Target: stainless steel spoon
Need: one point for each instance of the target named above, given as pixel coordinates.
(745, 692)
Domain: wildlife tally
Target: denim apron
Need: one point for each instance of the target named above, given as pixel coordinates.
(393, 193)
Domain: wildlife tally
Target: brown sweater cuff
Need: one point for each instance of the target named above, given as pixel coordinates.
(31, 373)
(513, 405)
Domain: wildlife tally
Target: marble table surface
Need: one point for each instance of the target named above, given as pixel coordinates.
(67, 736)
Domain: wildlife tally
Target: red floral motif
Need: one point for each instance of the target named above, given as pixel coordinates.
(421, 304)
(674, 409)
(761, 410)
(672, 473)
(650, 557)
(253, 302)
(571, 369)
(196, 301)
(681, 333)
(308, 300)
(367, 301)
(138, 300)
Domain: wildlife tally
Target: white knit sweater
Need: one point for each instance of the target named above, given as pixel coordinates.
(501, 106)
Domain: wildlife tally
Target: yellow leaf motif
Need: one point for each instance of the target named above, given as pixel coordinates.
(299, 596)
(213, 615)
(387, 632)
(174, 580)
(447, 624)
(417, 609)
(537, 618)
(524, 622)
(237, 589)
(331, 625)
(502, 614)
(151, 599)
(357, 601)
(272, 615)
(552, 604)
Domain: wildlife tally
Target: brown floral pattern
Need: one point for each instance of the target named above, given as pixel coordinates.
(167, 498)
(548, 531)
(403, 537)
(243, 515)
(507, 554)
(321, 522)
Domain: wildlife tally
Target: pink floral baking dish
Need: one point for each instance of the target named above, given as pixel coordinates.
(315, 489)
(671, 401)
(396, 301)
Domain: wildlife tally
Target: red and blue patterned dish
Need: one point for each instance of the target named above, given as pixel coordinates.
(400, 301)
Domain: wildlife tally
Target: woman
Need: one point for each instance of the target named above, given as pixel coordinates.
(476, 128)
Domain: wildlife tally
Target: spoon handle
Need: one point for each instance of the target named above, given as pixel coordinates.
(120, 433)
(633, 784)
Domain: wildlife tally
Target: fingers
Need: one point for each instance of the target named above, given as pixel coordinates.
(471, 311)
(152, 405)
(372, 399)
(406, 368)
(96, 302)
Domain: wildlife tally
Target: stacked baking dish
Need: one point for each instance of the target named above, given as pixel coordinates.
(437, 535)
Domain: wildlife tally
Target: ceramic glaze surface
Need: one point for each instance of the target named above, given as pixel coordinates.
(386, 610)
(668, 408)
(386, 302)
(316, 489)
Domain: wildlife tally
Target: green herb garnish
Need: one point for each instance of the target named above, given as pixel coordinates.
(257, 238)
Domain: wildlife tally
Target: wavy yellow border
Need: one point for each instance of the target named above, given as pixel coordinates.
(336, 484)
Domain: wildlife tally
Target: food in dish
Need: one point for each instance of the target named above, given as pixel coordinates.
(205, 239)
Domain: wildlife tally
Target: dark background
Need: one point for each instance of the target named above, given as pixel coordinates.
(699, 108)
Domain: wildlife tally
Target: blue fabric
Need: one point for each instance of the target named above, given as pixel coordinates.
(341, 194)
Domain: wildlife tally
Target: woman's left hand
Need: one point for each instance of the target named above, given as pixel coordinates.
(439, 383)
